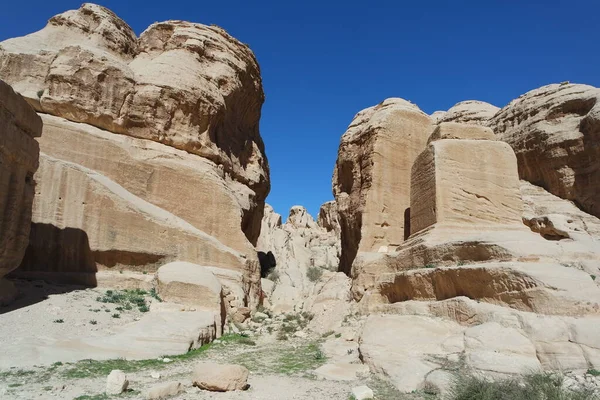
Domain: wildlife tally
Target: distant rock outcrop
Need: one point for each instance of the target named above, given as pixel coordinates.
(19, 153)
(302, 258)
(555, 131)
(186, 176)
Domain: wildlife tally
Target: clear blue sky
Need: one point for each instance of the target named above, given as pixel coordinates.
(323, 61)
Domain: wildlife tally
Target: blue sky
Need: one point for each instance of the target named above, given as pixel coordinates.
(323, 61)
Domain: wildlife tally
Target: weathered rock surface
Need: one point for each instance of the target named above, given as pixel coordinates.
(555, 218)
(371, 180)
(156, 334)
(189, 284)
(554, 131)
(220, 377)
(328, 217)
(466, 183)
(471, 111)
(290, 251)
(116, 382)
(490, 339)
(19, 153)
(164, 390)
(185, 101)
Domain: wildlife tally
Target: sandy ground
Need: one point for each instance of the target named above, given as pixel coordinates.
(278, 369)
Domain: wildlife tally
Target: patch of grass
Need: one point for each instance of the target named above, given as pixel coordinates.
(285, 359)
(338, 335)
(14, 385)
(593, 372)
(59, 321)
(19, 373)
(102, 396)
(429, 266)
(327, 334)
(314, 274)
(116, 315)
(537, 386)
(126, 299)
(273, 275)
(95, 368)
(155, 295)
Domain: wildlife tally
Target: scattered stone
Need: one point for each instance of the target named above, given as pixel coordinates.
(167, 360)
(220, 377)
(362, 393)
(155, 375)
(116, 382)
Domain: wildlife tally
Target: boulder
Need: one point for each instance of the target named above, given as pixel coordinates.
(362, 393)
(189, 284)
(371, 179)
(406, 348)
(220, 377)
(19, 153)
(116, 382)
(553, 131)
(164, 390)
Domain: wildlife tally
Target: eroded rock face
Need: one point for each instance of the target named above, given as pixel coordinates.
(371, 180)
(464, 180)
(554, 131)
(186, 85)
(328, 217)
(471, 112)
(19, 153)
(185, 100)
(289, 251)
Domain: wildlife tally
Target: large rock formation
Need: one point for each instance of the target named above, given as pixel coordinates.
(19, 152)
(491, 275)
(554, 131)
(186, 177)
(296, 256)
(371, 179)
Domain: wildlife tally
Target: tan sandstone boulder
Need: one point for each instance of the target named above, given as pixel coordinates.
(553, 131)
(19, 152)
(220, 377)
(189, 284)
(371, 180)
(185, 99)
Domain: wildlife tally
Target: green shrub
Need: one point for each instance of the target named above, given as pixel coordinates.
(58, 321)
(40, 93)
(93, 322)
(538, 386)
(593, 372)
(314, 274)
(273, 275)
(115, 315)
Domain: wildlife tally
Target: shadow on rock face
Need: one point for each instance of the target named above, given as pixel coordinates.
(267, 263)
(58, 255)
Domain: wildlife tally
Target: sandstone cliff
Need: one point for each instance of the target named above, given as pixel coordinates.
(151, 151)
(554, 131)
(371, 179)
(19, 153)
